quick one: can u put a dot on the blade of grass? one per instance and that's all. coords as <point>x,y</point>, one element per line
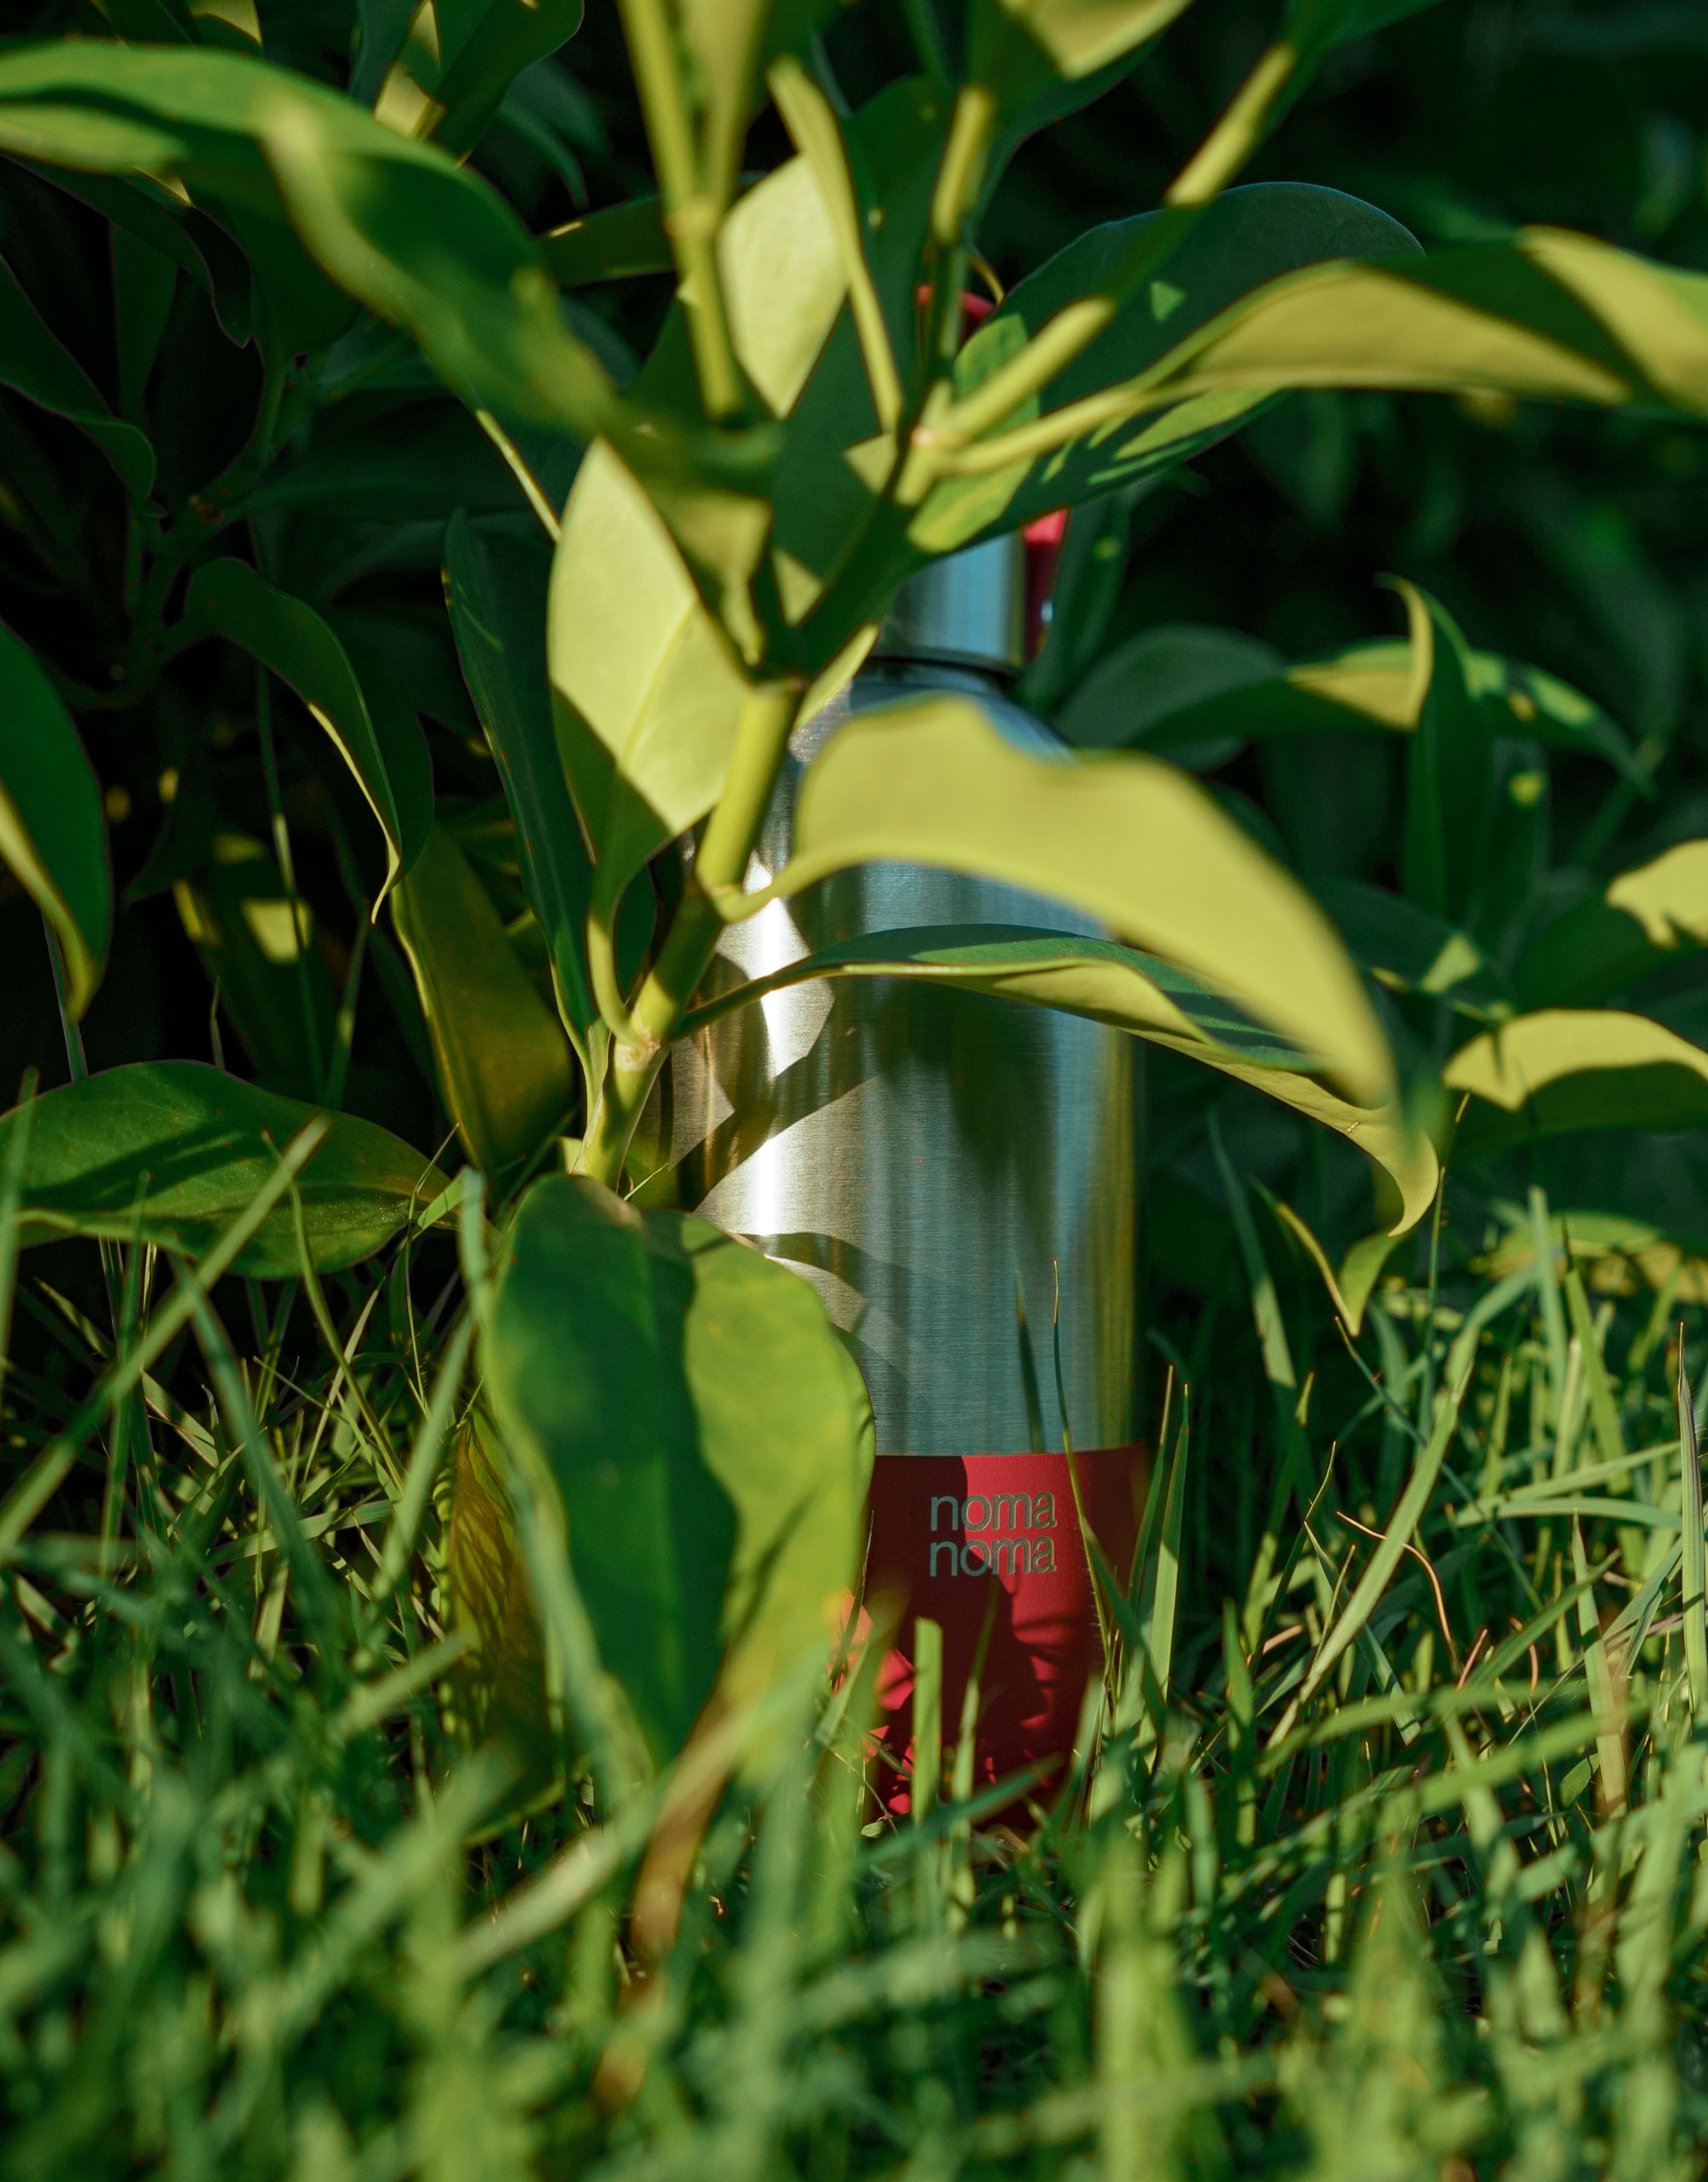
<point>1695,1615</point>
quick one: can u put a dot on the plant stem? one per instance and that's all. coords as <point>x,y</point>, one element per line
<point>637,1056</point>
<point>692,212</point>
<point>1237,134</point>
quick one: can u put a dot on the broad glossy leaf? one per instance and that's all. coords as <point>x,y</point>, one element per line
<point>505,1068</point>
<point>172,1150</point>
<point>1197,266</point>
<point>496,590</point>
<point>649,695</point>
<point>1553,315</point>
<point>708,1434</point>
<point>424,243</point>
<point>1130,991</point>
<point>1564,1069</point>
<point>52,833</point>
<point>1017,47</point>
<point>383,745</point>
<point>34,364</point>
<point>1132,842</point>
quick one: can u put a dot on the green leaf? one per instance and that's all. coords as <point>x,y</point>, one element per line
<point>52,830</point>
<point>649,695</point>
<point>1351,691</point>
<point>496,589</point>
<point>505,1068</point>
<point>1409,949</point>
<point>1315,27</point>
<point>383,746</point>
<point>424,244</point>
<point>1128,840</point>
<point>511,35</point>
<point>1552,315</point>
<point>1647,917</point>
<point>1566,1069</point>
<point>1449,779</point>
<point>171,1151</point>
<point>1157,674</point>
<point>1360,1268</point>
<point>618,243</point>
<point>1130,991</point>
<point>1018,48</point>
<point>1195,267</point>
<point>708,1434</point>
<point>35,365</point>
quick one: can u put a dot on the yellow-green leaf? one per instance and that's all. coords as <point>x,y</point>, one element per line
<point>1564,1069</point>
<point>1130,840</point>
<point>649,695</point>
<point>1130,991</point>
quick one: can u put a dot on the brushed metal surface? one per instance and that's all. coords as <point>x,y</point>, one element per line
<point>927,1159</point>
<point>967,609</point>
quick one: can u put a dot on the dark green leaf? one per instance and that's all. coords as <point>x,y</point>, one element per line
<point>388,757</point>
<point>32,362</point>
<point>1201,266</point>
<point>505,1068</point>
<point>708,1432</point>
<point>52,831</point>
<point>172,1151</point>
<point>495,590</point>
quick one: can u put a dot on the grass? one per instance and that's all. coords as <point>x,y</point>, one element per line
<point>1379,1858</point>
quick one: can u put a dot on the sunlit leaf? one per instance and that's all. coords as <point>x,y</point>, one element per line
<point>1130,841</point>
<point>1194,688</point>
<point>1130,991</point>
<point>172,1151</point>
<point>1553,315</point>
<point>382,745</point>
<point>1202,265</point>
<point>649,695</point>
<point>52,831</point>
<point>706,1429</point>
<point>1645,917</point>
<point>1564,1069</point>
<point>505,1067</point>
<point>1016,46</point>
<point>422,242</point>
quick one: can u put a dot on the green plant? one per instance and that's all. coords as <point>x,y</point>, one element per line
<point>808,425</point>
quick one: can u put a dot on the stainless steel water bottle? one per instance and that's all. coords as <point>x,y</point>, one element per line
<point>942,1166</point>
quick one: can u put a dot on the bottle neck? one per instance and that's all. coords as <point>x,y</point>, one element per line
<point>966,610</point>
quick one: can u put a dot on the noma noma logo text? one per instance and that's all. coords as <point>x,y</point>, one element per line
<point>1008,1516</point>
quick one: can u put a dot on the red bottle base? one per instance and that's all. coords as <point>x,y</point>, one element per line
<point>950,1534</point>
